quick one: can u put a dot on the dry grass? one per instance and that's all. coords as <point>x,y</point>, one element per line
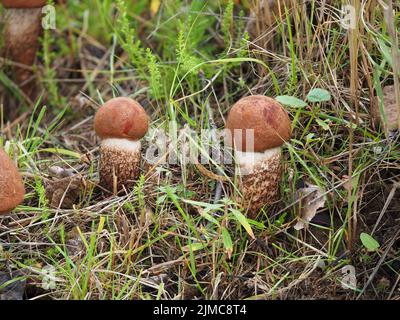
<point>154,242</point>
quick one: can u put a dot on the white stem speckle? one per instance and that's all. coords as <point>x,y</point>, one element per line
<point>248,160</point>
<point>121,144</point>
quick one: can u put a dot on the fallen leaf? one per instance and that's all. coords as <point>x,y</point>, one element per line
<point>158,279</point>
<point>154,7</point>
<point>64,189</point>
<point>59,172</point>
<point>389,109</point>
<point>12,286</point>
<point>75,247</point>
<point>311,198</point>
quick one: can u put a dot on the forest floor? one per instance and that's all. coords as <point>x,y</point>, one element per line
<point>179,234</point>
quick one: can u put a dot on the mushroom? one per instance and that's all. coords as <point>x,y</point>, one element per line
<point>259,158</point>
<point>120,123</point>
<point>21,35</point>
<point>12,189</point>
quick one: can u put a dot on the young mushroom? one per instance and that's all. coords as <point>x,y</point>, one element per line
<point>22,29</point>
<point>120,123</point>
<point>266,125</point>
<point>12,189</point>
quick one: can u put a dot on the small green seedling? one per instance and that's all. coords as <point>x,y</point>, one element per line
<point>369,242</point>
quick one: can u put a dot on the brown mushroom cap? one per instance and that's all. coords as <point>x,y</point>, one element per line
<point>121,118</point>
<point>23,3</point>
<point>12,189</point>
<point>266,116</point>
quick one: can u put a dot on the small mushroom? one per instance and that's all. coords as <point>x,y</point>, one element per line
<point>259,156</point>
<point>21,36</point>
<point>120,123</point>
<point>12,189</point>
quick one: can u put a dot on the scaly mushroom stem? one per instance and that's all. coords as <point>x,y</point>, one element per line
<point>21,34</point>
<point>119,163</point>
<point>260,174</point>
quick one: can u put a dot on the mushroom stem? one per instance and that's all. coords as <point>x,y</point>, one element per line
<point>21,33</point>
<point>119,163</point>
<point>260,174</point>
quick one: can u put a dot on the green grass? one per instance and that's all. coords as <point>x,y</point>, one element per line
<point>168,238</point>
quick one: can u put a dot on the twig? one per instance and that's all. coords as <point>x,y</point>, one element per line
<point>388,201</point>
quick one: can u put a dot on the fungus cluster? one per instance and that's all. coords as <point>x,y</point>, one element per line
<point>258,159</point>
<point>12,189</point>
<point>120,123</point>
<point>22,29</point>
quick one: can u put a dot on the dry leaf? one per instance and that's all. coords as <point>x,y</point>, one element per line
<point>311,198</point>
<point>15,288</point>
<point>154,7</point>
<point>64,189</point>
<point>58,172</point>
<point>390,108</point>
<point>158,279</point>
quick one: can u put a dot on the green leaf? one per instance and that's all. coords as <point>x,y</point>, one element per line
<point>323,124</point>
<point>243,221</point>
<point>161,199</point>
<point>281,220</point>
<point>207,216</point>
<point>386,51</point>
<point>318,95</point>
<point>61,151</point>
<point>101,224</point>
<point>196,246</point>
<point>291,101</point>
<point>226,238</point>
<point>370,243</point>
<point>205,205</point>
